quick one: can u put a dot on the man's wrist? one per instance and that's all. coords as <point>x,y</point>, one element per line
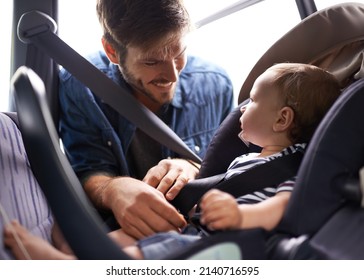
<point>194,164</point>
<point>102,196</point>
<point>95,186</point>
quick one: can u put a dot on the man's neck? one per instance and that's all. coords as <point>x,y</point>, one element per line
<point>147,102</point>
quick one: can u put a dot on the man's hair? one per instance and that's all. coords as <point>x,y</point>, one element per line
<point>141,23</point>
<point>309,91</point>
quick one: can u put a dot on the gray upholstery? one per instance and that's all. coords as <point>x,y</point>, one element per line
<point>332,38</point>
<point>20,195</point>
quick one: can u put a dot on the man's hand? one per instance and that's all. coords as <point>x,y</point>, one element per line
<point>170,176</point>
<point>140,209</point>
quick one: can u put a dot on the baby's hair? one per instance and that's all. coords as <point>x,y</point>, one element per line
<point>310,91</point>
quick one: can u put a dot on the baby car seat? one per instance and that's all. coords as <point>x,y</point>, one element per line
<point>338,48</point>
<point>326,202</point>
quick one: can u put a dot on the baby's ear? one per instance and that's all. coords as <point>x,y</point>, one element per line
<point>284,119</point>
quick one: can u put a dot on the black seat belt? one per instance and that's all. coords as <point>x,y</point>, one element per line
<point>38,29</point>
<point>257,178</point>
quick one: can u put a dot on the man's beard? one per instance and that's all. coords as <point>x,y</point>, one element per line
<point>138,86</point>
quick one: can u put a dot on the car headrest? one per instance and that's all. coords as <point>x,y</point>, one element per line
<point>332,38</point>
<point>225,146</point>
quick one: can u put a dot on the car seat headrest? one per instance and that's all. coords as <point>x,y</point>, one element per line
<point>332,38</point>
<point>334,156</point>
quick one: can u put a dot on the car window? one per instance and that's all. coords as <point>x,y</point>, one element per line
<point>235,42</point>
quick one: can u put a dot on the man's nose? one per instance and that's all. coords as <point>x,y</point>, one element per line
<point>171,70</point>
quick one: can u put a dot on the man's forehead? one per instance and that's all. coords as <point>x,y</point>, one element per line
<point>161,50</point>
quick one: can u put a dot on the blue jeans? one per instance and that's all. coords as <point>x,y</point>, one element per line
<point>160,245</point>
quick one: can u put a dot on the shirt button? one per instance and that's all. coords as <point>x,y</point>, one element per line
<point>109,143</point>
<point>197,149</point>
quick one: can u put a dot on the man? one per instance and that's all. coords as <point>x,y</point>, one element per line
<point>144,43</point>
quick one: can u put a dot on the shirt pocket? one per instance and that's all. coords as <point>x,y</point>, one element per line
<point>198,142</point>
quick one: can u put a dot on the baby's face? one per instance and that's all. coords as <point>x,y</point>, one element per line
<point>259,115</point>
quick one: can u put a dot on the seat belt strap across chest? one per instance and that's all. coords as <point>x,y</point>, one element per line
<point>257,178</point>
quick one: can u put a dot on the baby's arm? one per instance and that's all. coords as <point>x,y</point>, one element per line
<point>266,214</point>
<point>221,211</point>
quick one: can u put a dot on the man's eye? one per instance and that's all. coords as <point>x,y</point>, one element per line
<point>150,63</point>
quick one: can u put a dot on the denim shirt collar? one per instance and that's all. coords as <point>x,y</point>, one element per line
<point>177,99</point>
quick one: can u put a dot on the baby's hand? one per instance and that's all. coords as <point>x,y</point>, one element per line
<point>220,211</point>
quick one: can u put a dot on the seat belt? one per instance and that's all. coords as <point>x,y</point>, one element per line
<point>38,29</point>
<point>257,178</point>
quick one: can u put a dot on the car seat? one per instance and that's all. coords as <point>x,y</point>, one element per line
<point>327,205</point>
<point>337,35</point>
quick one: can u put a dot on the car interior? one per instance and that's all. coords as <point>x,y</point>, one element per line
<point>324,216</point>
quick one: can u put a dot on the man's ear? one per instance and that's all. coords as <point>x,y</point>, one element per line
<point>284,119</point>
<point>110,51</point>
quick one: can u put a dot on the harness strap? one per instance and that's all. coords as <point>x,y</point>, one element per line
<point>257,178</point>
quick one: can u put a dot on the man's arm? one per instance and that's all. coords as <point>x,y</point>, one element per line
<point>140,209</point>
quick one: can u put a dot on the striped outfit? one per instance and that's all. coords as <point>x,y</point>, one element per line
<point>247,161</point>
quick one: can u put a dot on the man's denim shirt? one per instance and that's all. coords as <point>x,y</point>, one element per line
<point>96,138</point>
